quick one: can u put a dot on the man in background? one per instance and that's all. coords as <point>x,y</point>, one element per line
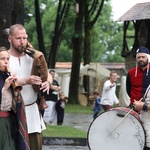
<point>109,97</point>
<point>51,99</point>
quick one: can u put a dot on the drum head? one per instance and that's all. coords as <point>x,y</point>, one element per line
<point>128,135</point>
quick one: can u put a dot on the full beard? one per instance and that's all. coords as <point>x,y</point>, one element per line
<point>20,49</point>
<point>142,64</point>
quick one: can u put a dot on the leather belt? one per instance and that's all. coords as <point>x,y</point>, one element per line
<point>30,104</point>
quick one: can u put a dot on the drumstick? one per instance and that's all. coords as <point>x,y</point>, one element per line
<point>122,119</point>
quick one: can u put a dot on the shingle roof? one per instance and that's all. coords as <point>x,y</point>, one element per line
<point>140,11</point>
<point>68,65</point>
<point>63,65</point>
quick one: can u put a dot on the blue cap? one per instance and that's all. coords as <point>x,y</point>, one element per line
<point>143,50</point>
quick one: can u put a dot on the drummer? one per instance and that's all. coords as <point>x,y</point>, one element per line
<point>138,79</point>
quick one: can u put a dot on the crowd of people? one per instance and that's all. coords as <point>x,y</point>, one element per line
<point>138,89</point>
<point>21,120</point>
<point>20,116</point>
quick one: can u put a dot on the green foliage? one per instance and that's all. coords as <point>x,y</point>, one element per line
<point>65,50</point>
<point>107,35</point>
<point>29,10</point>
<point>109,32</point>
<point>65,53</point>
<point>48,15</point>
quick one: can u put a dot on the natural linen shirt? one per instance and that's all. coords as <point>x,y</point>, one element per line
<point>6,102</point>
<point>108,95</point>
<point>22,68</point>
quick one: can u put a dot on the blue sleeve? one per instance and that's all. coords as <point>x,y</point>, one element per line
<point>128,84</point>
<point>98,100</point>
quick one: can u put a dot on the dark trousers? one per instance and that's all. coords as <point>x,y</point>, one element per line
<point>147,148</point>
<point>60,117</point>
<point>95,114</point>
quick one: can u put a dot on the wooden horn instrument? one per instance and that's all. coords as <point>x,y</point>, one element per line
<point>16,88</point>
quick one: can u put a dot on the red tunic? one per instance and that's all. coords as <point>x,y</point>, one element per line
<point>136,85</point>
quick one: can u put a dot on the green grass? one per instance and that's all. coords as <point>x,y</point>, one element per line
<point>68,131</point>
<point>78,109</point>
<point>63,131</point>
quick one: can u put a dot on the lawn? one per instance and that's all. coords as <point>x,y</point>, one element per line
<point>68,131</point>
<point>78,109</point>
<point>63,131</point>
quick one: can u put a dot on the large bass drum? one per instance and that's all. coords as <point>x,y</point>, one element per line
<point>112,130</point>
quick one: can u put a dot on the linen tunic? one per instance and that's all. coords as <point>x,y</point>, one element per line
<point>22,68</point>
<point>6,103</point>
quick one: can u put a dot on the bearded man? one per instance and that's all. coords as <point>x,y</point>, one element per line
<point>138,80</point>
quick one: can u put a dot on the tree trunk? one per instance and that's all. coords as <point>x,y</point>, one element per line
<point>62,14</point>
<point>87,49</point>
<point>18,12</point>
<point>88,24</point>
<point>39,28</point>
<point>5,20</point>
<point>53,51</point>
<point>77,41</point>
<point>11,12</point>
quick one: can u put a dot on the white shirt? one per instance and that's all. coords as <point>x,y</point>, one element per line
<point>108,95</point>
<point>145,118</point>
<point>22,68</point>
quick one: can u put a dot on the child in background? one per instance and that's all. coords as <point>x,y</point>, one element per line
<point>97,106</point>
<point>60,106</point>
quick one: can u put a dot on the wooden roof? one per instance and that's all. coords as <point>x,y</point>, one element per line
<point>140,11</point>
